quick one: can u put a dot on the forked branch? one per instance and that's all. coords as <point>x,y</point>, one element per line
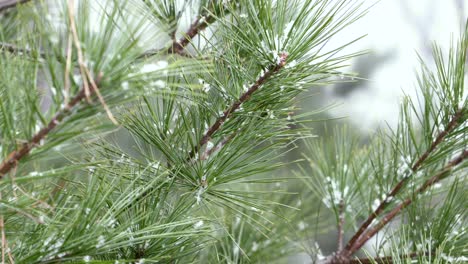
<point>389,216</point>
<point>417,165</point>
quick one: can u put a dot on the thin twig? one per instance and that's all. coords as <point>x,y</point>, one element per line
<point>440,137</point>
<point>85,73</point>
<point>417,165</point>
<point>100,97</point>
<point>389,216</point>
<point>200,24</point>
<point>242,99</point>
<point>341,219</point>
<point>68,68</point>
<point>76,40</point>
<point>3,234</point>
<point>14,157</point>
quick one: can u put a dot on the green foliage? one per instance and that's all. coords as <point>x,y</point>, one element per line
<point>192,171</point>
<point>416,171</point>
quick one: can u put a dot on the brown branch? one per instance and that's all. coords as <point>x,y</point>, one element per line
<point>242,99</point>
<point>200,24</point>
<point>440,137</point>
<point>341,209</point>
<point>7,4</point>
<point>178,46</point>
<point>14,157</point>
<point>393,213</point>
<point>417,165</point>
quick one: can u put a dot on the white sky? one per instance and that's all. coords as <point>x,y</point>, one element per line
<point>403,31</point>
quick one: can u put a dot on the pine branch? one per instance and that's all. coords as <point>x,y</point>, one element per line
<point>242,99</point>
<point>383,205</point>
<point>387,218</point>
<point>14,157</point>
<point>440,137</point>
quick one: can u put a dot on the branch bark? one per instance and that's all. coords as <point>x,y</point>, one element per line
<point>388,217</point>
<point>341,220</point>
<point>417,165</point>
<point>15,156</point>
<point>242,99</point>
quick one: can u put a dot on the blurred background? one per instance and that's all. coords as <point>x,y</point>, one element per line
<point>397,31</point>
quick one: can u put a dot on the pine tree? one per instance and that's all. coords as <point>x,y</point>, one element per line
<point>127,136</point>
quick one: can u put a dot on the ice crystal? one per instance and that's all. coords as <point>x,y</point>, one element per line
<point>254,246</point>
<point>291,64</point>
<point>334,195</point>
<point>198,224</point>
<point>198,195</point>
<point>209,145</point>
<point>404,169</point>
<point>375,204</point>
<point>450,259</point>
<point>152,67</point>
<point>206,86</point>
<point>160,84</point>
<point>101,241</point>
<point>125,85</point>
<point>35,173</point>
<point>235,250</point>
<point>301,225</point>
